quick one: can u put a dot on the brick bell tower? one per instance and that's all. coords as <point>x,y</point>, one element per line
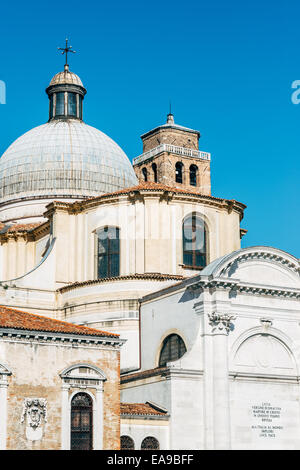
<point>171,156</point>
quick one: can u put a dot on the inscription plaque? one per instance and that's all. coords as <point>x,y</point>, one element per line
<point>267,420</point>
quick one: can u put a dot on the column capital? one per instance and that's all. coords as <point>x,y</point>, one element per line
<point>221,323</point>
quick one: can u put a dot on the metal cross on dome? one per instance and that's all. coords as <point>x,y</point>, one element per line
<point>65,50</point>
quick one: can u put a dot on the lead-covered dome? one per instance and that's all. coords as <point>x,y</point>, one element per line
<point>64,158</point>
<point>66,77</point>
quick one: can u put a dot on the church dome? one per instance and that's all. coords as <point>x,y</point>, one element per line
<point>64,157</point>
<point>66,77</point>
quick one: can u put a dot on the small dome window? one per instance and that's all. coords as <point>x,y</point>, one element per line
<point>60,104</point>
<point>72,104</point>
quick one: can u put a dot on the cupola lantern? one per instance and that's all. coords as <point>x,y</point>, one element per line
<point>65,92</point>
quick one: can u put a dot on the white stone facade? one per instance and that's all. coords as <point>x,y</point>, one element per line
<point>237,386</point>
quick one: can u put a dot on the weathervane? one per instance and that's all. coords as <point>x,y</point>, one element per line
<point>65,50</point>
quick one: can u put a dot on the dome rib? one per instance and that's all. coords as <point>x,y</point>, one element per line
<point>66,78</point>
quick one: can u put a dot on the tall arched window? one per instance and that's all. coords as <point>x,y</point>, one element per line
<point>81,422</point>
<point>154,168</point>
<point>173,348</point>
<point>145,174</point>
<point>127,443</point>
<point>150,443</point>
<point>108,252</point>
<point>194,239</point>
<point>193,175</point>
<point>179,172</point>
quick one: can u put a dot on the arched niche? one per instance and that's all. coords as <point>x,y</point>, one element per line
<point>263,353</point>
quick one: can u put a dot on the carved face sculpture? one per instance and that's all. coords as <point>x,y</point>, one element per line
<point>35,415</point>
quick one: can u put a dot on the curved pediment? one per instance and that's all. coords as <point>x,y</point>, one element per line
<point>264,353</point>
<point>258,265</point>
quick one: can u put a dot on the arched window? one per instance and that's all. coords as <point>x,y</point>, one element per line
<point>81,422</point>
<point>108,252</point>
<point>193,175</point>
<point>173,348</point>
<point>179,172</point>
<point>145,174</point>
<point>154,168</point>
<point>150,443</point>
<point>194,239</point>
<point>127,443</point>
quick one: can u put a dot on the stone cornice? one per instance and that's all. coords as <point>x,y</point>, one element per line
<point>166,417</point>
<point>14,334</point>
<point>27,234</point>
<point>141,192</point>
<point>167,372</point>
<point>129,277</point>
<point>260,255</point>
<point>235,285</point>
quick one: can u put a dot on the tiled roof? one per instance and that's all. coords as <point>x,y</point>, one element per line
<point>19,227</point>
<point>20,320</point>
<point>129,277</point>
<point>144,186</point>
<point>140,409</point>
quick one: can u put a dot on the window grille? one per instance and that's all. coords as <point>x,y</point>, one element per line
<point>150,443</point>
<point>127,443</point>
<point>81,422</point>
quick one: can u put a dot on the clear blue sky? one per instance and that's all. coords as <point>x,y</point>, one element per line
<point>227,67</point>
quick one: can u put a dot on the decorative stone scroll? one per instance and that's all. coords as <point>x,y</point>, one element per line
<point>34,415</point>
<point>221,322</point>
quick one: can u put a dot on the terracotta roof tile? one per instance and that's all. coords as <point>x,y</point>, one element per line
<point>129,277</point>
<point>146,186</point>
<point>20,320</point>
<point>19,227</point>
<point>140,409</point>
<point>149,185</point>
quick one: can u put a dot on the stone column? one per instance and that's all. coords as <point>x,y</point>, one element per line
<point>98,423</point>
<point>3,412</point>
<point>220,327</point>
<point>65,417</point>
